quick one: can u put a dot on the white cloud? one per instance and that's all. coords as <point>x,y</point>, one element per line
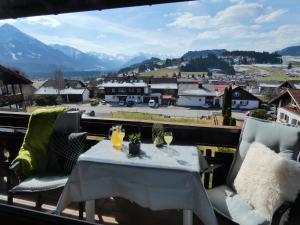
<point>193,3</point>
<point>43,20</point>
<point>239,12</point>
<point>101,36</point>
<point>240,26</point>
<point>9,21</point>
<point>79,43</point>
<point>236,1</point>
<point>188,20</point>
<point>270,17</point>
<point>172,14</point>
<point>281,37</point>
<point>208,35</point>
<point>232,15</point>
<point>237,26</point>
<point>120,37</point>
<point>217,1</point>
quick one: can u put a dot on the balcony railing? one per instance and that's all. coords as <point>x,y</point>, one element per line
<point>14,126</point>
<point>6,100</point>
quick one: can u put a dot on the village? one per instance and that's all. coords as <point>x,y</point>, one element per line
<point>175,96</point>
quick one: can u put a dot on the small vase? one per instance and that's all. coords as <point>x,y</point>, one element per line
<point>134,149</point>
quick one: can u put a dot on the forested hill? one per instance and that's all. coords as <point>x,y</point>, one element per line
<point>210,62</point>
<point>203,53</point>
<point>249,57</point>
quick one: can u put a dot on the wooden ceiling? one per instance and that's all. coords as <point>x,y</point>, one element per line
<point>25,8</point>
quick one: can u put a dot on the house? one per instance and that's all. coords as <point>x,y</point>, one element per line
<point>242,99</point>
<point>268,88</point>
<point>71,91</point>
<point>220,88</point>
<point>165,88</point>
<point>133,90</point>
<point>198,95</point>
<point>293,84</point>
<point>288,106</point>
<point>12,84</point>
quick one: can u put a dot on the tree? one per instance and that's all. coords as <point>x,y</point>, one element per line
<point>168,62</point>
<point>259,113</point>
<point>228,112</point>
<point>290,66</point>
<point>226,120</point>
<point>58,81</point>
<point>229,98</point>
<point>232,121</point>
<point>224,106</point>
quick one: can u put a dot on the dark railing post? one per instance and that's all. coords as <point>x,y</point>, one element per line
<point>207,175</point>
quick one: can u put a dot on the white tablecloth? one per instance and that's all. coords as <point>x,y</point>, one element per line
<point>157,178</point>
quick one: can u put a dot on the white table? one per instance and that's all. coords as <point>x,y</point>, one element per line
<point>157,179</point>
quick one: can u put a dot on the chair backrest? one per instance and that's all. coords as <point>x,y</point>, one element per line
<point>283,139</point>
<point>67,122</point>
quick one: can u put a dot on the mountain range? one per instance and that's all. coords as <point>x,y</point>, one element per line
<point>26,53</point>
<point>290,51</point>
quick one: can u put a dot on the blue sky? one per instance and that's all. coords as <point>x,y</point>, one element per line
<point>173,29</point>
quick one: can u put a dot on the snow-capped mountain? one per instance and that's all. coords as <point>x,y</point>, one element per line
<point>27,53</point>
<point>32,56</point>
<point>86,61</point>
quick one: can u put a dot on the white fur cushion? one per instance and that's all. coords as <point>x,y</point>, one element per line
<point>265,180</point>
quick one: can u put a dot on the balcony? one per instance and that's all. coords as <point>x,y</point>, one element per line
<point>121,211</point>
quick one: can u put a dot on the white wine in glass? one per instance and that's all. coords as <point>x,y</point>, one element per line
<point>168,137</point>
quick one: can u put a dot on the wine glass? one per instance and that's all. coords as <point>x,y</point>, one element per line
<point>168,137</point>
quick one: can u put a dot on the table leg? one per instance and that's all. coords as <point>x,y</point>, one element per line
<point>187,217</point>
<point>90,210</point>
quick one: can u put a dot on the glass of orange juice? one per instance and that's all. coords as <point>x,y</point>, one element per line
<point>117,137</point>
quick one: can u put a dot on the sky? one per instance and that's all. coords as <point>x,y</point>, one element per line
<point>173,29</point>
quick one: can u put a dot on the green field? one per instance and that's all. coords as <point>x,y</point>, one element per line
<point>169,73</point>
<point>275,73</point>
<point>157,118</point>
<point>277,77</point>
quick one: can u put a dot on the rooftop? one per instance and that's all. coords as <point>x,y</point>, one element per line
<point>199,92</point>
<point>124,84</point>
<point>10,76</point>
<point>164,86</point>
<point>54,91</point>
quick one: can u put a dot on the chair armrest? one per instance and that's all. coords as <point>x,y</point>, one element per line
<point>208,179</point>
<point>13,167</point>
<point>279,213</point>
<point>12,174</point>
<point>211,168</point>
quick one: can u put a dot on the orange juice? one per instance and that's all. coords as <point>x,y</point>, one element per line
<point>116,140</point>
